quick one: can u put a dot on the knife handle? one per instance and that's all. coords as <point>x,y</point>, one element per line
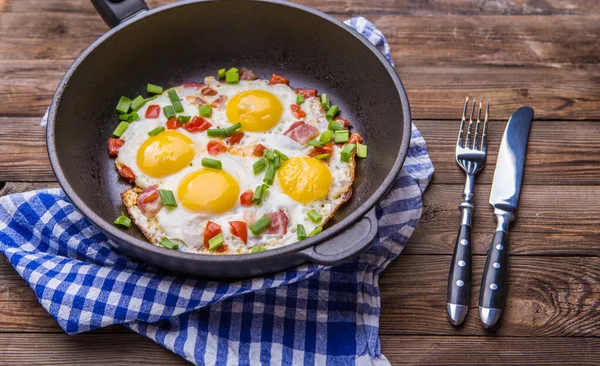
<point>458,292</point>
<point>494,281</point>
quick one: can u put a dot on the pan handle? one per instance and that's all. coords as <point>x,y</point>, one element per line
<point>114,12</point>
<point>346,245</point>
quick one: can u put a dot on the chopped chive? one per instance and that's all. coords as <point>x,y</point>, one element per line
<point>325,102</point>
<point>133,116</point>
<point>169,111</point>
<point>317,143</point>
<point>167,243</point>
<point>205,110</point>
<point>361,150</point>
<point>212,163</point>
<point>123,105</point>
<point>156,131</point>
<point>346,153</point>
<point>335,126</point>
<point>332,112</point>
<point>154,89</point>
<point>269,154</point>
<point>257,250</point>
<point>167,197</point>
<point>282,155</point>
<point>260,225</point>
<point>120,129</point>
<point>232,76</point>
<point>177,106</point>
<point>216,132</point>
<point>233,128</point>
<point>173,97</point>
<point>314,216</point>
<point>215,242</point>
<point>183,119</point>
<point>123,221</point>
<point>315,231</point>
<point>270,175</point>
<point>259,193</point>
<point>259,165</point>
<point>299,99</point>
<point>322,156</point>
<point>151,98</point>
<point>341,136</point>
<point>276,162</point>
<point>326,136</point>
<point>300,232</point>
<point>138,103</point>
<point>221,74</point>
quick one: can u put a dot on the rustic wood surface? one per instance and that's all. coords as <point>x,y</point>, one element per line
<point>545,53</point>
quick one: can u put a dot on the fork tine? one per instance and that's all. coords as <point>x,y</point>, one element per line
<point>477,125</point>
<point>483,135</point>
<point>462,124</point>
<point>468,142</point>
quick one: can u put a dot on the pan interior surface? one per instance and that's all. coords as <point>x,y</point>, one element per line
<point>188,42</point>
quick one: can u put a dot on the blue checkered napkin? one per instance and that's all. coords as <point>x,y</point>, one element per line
<point>309,315</point>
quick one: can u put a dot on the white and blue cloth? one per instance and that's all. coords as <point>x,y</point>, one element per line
<point>309,315</point>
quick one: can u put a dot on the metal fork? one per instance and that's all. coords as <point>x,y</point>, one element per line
<point>470,156</point>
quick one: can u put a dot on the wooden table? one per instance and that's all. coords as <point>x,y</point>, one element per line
<point>542,53</point>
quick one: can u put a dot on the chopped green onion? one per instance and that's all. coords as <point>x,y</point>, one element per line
<point>361,150</point>
<point>133,116</point>
<point>326,137</point>
<point>216,132</point>
<point>322,156</point>
<point>169,111</point>
<point>325,102</point>
<point>123,105</point>
<point>215,242</point>
<point>154,89</point>
<point>276,162</point>
<point>173,97</point>
<point>259,165</point>
<point>120,129</point>
<point>205,110</point>
<point>346,154</point>
<point>282,155</point>
<point>177,106</point>
<point>314,216</point>
<point>167,243</point>
<point>183,119</point>
<point>300,232</point>
<point>260,225</point>
<point>221,74</point>
<point>151,98</point>
<point>341,136</point>
<point>269,154</point>
<point>317,143</point>
<point>232,76</point>
<point>270,175</point>
<point>332,112</point>
<point>257,250</point>
<point>335,126</point>
<point>233,128</point>
<point>259,193</point>
<point>315,231</point>
<point>212,163</point>
<point>123,221</point>
<point>156,131</point>
<point>167,197</point>
<point>138,103</point>
<point>299,99</point>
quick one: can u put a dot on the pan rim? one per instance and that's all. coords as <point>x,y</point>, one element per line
<point>331,232</point>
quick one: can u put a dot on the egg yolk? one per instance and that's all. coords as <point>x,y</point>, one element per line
<point>165,154</point>
<point>209,191</point>
<point>304,179</point>
<point>256,110</point>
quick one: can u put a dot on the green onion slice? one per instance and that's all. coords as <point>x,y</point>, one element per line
<point>259,165</point>
<point>315,231</point>
<point>276,162</point>
<point>332,112</point>
<point>123,221</point>
<point>257,250</point>
<point>156,131</point>
<point>325,102</point>
<point>169,111</point>
<point>173,97</point>
<point>154,89</point>
<point>300,232</point>
<point>314,216</point>
<point>361,150</point>
<point>317,143</point>
<point>215,242</point>
<point>138,103</point>
<point>326,137</point>
<point>299,99</point>
<point>233,128</point>
<point>270,175</point>
<point>123,105</point>
<point>232,76</point>
<point>177,106</point>
<point>221,74</point>
<point>216,132</point>
<point>183,119</point>
<point>133,116</point>
<point>269,154</point>
<point>341,136</point>
<point>205,110</point>
<point>260,225</point>
<point>346,153</point>
<point>335,126</point>
<point>259,193</point>
<point>282,155</point>
<point>120,129</point>
<point>167,197</point>
<point>322,156</point>
<point>212,163</point>
<point>167,243</point>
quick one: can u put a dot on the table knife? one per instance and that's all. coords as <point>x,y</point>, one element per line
<point>504,197</point>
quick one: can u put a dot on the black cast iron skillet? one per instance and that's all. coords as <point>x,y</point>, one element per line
<point>188,40</point>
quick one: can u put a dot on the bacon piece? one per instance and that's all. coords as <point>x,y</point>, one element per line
<point>302,132</point>
<point>217,103</point>
<point>247,74</point>
<point>235,138</point>
<point>197,124</point>
<point>276,79</point>
<point>355,138</point>
<point>114,145</point>
<point>279,221</point>
<point>126,173</point>
<point>246,198</point>
<point>193,85</point>
<point>297,111</point>
<point>208,91</point>
<point>215,147</point>
<point>306,93</point>
<point>153,111</point>
<point>344,122</point>
<point>173,124</point>
<point>149,201</point>
<point>258,150</point>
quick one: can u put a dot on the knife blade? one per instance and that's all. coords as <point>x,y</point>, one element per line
<point>504,197</point>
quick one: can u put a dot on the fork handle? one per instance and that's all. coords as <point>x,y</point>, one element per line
<point>458,292</point>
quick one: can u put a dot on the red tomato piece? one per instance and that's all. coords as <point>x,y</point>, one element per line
<point>210,231</point>
<point>197,124</point>
<point>215,147</point>
<point>355,138</point>
<point>344,122</point>
<point>114,145</point>
<point>235,138</point>
<point>307,93</point>
<point>239,229</point>
<point>276,79</point>
<point>297,111</point>
<point>246,198</point>
<point>126,173</point>
<point>173,124</point>
<point>153,111</point>
<point>258,150</point>
<point>327,149</point>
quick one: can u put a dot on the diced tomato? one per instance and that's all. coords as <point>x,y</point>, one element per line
<point>307,93</point>
<point>193,85</point>
<point>355,138</point>
<point>276,79</point>
<point>297,111</point>
<point>215,147</point>
<point>258,150</point>
<point>210,231</point>
<point>235,138</point>
<point>208,91</point>
<point>223,248</point>
<point>173,124</point>
<point>239,229</point>
<point>153,111</point>
<point>126,173</point>
<point>344,122</point>
<point>197,124</point>
<point>246,198</point>
<point>114,145</point>
<point>327,149</point>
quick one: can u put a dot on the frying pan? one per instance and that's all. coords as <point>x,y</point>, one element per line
<point>189,40</point>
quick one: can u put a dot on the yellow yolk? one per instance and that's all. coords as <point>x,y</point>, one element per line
<point>304,179</point>
<point>209,191</point>
<point>165,154</point>
<point>256,110</point>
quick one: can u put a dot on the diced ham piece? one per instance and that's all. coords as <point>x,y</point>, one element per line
<point>306,93</point>
<point>279,222</point>
<point>217,103</point>
<point>302,132</point>
<point>126,173</point>
<point>208,91</point>
<point>114,145</point>
<point>149,201</point>
<point>247,74</point>
<point>193,85</point>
